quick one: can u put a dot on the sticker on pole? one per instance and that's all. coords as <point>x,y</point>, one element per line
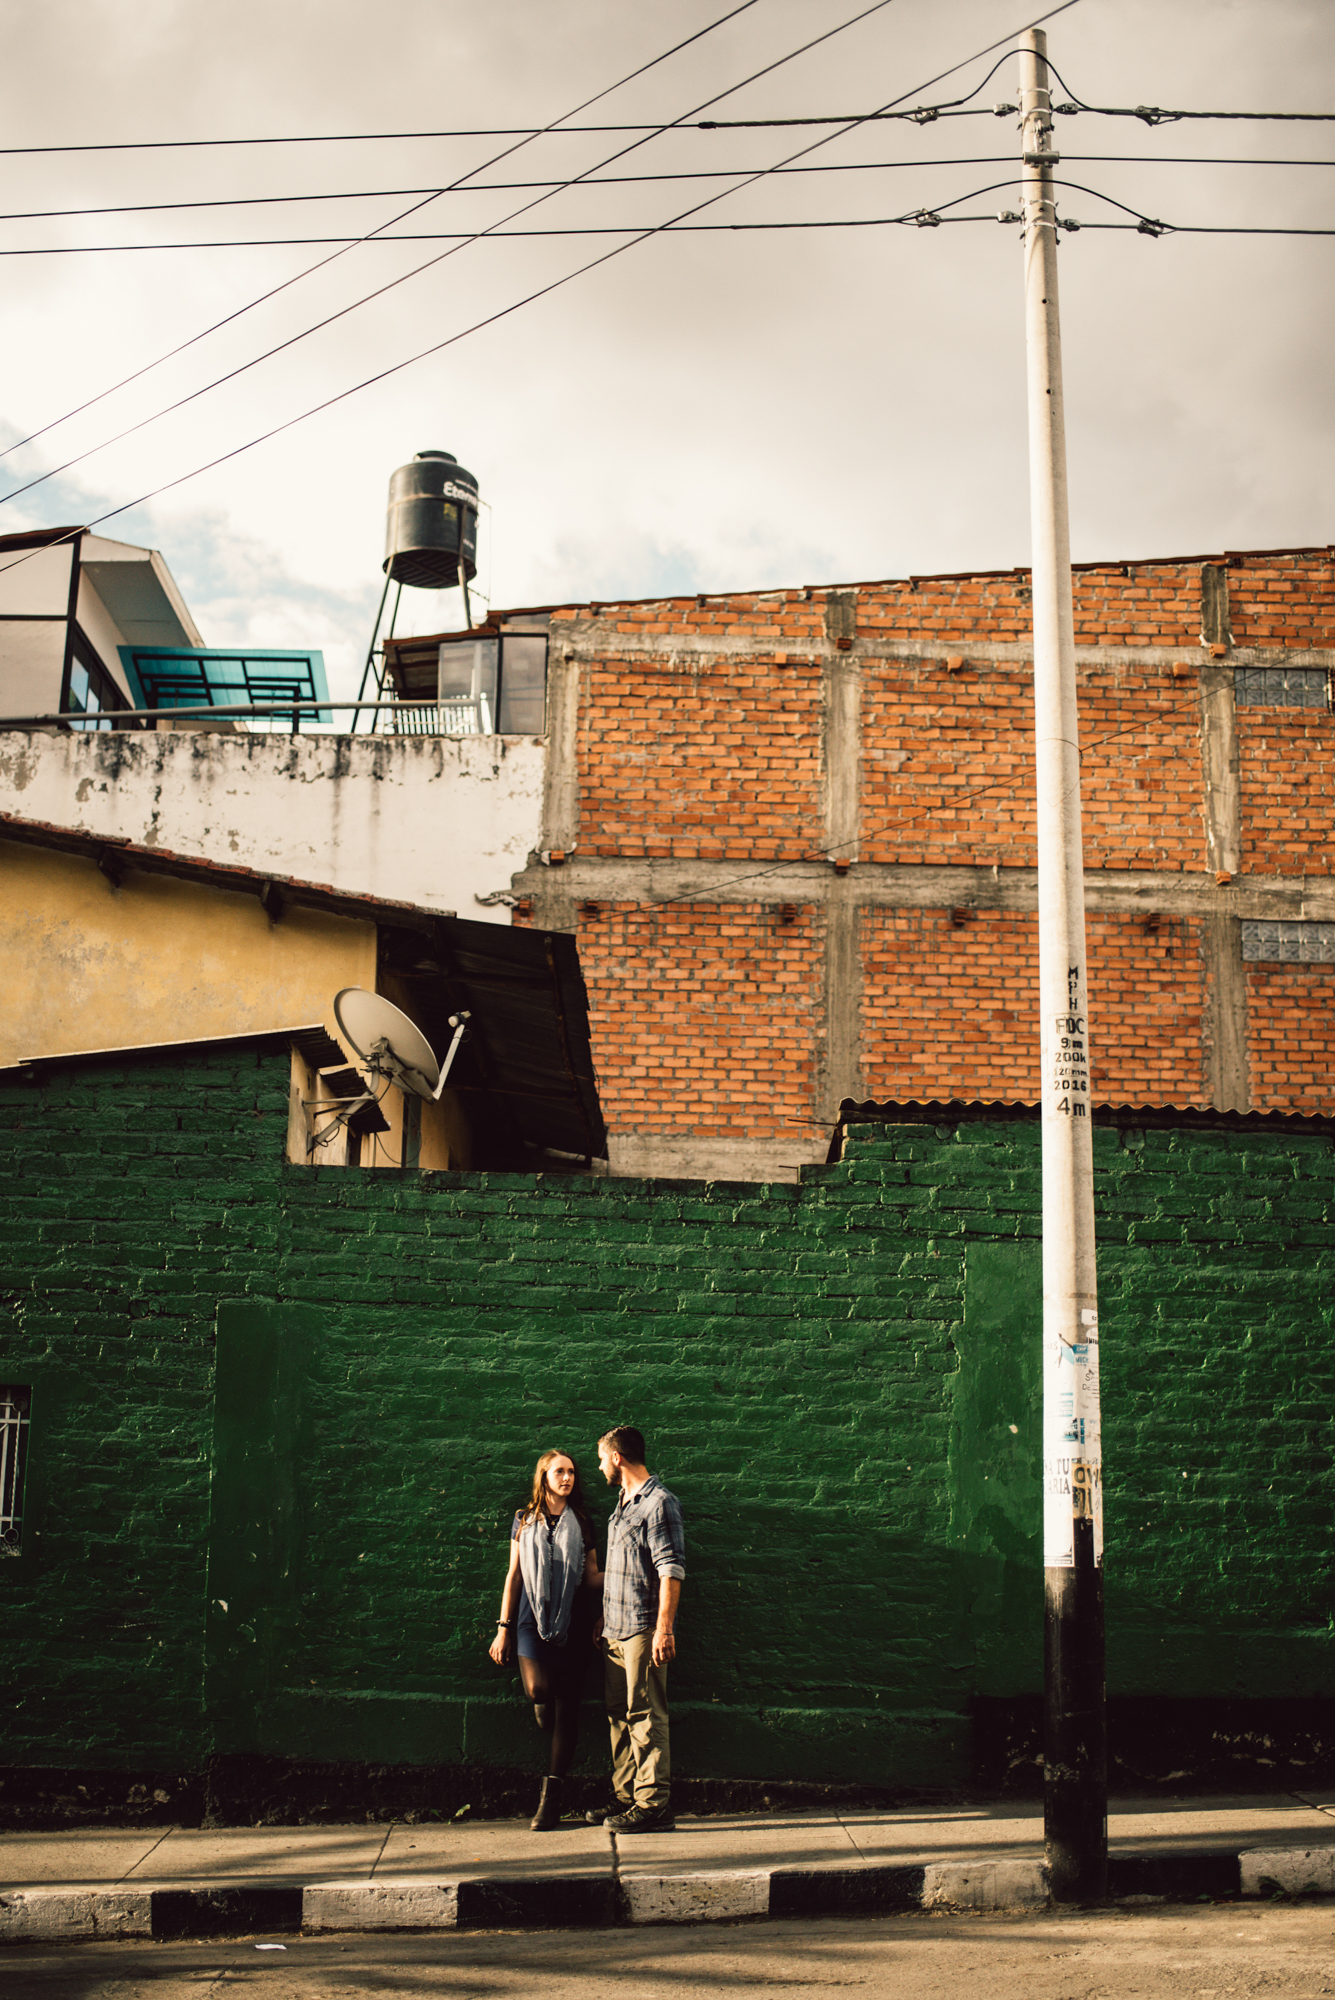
<point>1072,1443</point>
<point>1070,1066</point>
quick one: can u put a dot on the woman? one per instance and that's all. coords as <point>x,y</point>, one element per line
<point>548,1605</point>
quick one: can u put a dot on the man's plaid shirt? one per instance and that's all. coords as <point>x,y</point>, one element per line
<point>646,1540</point>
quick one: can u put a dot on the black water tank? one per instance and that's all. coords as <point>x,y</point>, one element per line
<point>427,501</point>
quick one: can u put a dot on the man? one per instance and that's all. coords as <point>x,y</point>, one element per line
<point>646,1548</point>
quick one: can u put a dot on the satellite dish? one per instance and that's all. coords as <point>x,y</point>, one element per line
<point>383,1040</point>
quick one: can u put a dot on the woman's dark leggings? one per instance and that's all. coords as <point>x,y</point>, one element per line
<point>556,1711</point>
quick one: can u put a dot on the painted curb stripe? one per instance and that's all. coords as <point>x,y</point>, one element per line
<point>559,1902</point>
<point>226,1912</point>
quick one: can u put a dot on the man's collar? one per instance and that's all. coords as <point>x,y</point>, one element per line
<point>652,1480</point>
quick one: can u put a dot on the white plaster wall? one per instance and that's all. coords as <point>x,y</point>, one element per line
<point>426,819</point>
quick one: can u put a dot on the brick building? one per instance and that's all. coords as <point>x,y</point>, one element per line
<point>794,833</point>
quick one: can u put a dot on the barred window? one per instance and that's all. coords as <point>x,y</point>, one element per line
<point>1292,943</point>
<point>1281,687</point>
<point>15,1407</point>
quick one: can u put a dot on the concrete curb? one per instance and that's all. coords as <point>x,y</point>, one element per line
<point>550,1902</point>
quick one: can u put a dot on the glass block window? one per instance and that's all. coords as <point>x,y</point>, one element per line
<point>1281,687</point>
<point>1292,943</point>
<point>15,1408</point>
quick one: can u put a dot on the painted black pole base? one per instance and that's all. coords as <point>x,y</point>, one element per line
<point>1075,1767</point>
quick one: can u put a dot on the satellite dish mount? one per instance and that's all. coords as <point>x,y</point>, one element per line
<point>389,1049</point>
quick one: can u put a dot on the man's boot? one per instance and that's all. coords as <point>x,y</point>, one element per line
<point>548,1814</point>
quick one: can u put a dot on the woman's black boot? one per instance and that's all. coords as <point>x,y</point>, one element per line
<point>548,1814</point>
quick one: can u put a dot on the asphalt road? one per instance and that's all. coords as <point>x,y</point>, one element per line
<point>1207,1953</point>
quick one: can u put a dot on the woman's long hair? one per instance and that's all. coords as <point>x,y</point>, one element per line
<point>536,1506</point>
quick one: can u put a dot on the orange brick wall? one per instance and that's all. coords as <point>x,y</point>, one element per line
<point>1287,762</point>
<point>711,758</point>
<point>948,766</point>
<point>709,1019</point>
<point>1146,1010</point>
<point>705,1017</point>
<point>1291,1036</point>
<point>1283,600</point>
<point>950,1007</point>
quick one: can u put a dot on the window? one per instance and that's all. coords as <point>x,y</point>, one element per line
<point>15,1407</point>
<point>90,691</point>
<point>1291,943</point>
<point>210,677</point>
<point>1281,687</point>
<point>467,686</point>
<point>506,680</point>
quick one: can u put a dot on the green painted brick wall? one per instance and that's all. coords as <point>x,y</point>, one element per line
<point>315,1398</point>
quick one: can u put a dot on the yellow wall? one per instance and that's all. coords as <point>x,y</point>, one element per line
<point>445,1139</point>
<point>159,959</point>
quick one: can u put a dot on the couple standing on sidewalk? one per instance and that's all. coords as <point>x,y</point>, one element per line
<point>548,1605</point>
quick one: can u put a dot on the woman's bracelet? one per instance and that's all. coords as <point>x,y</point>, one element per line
<point>503,1624</point>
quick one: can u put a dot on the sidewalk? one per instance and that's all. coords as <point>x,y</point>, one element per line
<point>104,1882</point>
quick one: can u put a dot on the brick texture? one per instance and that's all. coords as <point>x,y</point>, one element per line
<point>1146,978</point>
<point>1287,759</point>
<point>1291,1035</point>
<point>793,1354</point>
<point>704,1015</point>
<point>715,754</point>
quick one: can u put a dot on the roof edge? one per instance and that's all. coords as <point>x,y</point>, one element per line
<point>312,1036</point>
<point>704,598</point>
<point>217,874</point>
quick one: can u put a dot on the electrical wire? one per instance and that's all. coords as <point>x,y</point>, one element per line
<point>921,113</point>
<point>922,217</point>
<point>455,247</point>
<point>324,262</point>
<point>945,804</point>
<point>644,180</point>
<point>504,312</point>
<point>1150,114</point>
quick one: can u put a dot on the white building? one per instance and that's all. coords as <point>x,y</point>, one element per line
<point>410,810</point>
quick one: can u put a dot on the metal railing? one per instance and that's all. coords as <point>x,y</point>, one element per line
<point>14,1408</point>
<point>453,715</point>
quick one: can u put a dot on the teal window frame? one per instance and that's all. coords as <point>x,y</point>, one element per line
<point>168,677</point>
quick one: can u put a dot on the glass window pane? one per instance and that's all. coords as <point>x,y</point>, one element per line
<point>459,664</point>
<point>524,685</point>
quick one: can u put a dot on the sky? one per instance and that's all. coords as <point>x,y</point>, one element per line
<point>727,409</point>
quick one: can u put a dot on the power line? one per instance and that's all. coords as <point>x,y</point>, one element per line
<point>921,114</point>
<point>504,312</point>
<point>644,180</point>
<point>1150,114</point>
<point>456,245</point>
<point>639,229</point>
<point>921,216</point>
<point>324,262</point>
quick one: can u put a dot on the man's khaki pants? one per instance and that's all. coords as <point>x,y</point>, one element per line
<point>637,1713</point>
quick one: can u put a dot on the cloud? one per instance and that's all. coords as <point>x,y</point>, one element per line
<point>710,412</point>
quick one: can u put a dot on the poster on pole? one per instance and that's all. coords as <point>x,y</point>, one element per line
<point>1072,1444</point>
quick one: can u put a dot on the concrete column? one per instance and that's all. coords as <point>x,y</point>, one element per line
<point>553,901</point>
<point>1227,1075</point>
<point>839,1070</point>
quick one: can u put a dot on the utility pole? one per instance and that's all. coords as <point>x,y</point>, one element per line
<point>1075,1789</point>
